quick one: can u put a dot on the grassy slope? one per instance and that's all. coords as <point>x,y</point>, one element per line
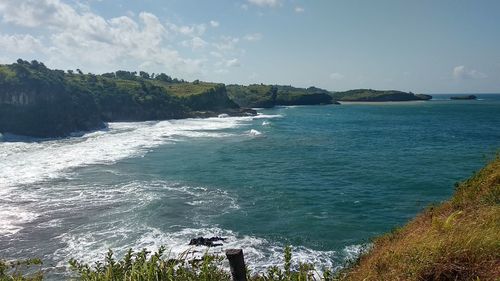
<point>186,89</point>
<point>456,240</point>
<point>256,95</point>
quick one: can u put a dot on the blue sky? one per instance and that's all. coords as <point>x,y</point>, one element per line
<point>423,46</point>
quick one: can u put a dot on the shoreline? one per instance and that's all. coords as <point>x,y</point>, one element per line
<point>381,102</point>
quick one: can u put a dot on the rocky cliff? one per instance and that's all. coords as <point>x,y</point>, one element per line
<point>37,101</point>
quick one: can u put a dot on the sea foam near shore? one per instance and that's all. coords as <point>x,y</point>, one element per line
<point>29,160</point>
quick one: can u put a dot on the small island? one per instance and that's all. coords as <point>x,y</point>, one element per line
<point>370,95</point>
<point>468,97</point>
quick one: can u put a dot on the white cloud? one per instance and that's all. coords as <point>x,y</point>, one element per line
<point>265,3</point>
<point>83,39</point>
<point>233,63</point>
<point>214,23</point>
<point>253,37</point>
<point>79,37</point>
<point>299,9</point>
<point>226,43</point>
<point>216,54</point>
<point>188,30</point>
<point>20,43</point>
<point>336,76</point>
<point>195,43</point>
<point>462,73</point>
<point>33,13</point>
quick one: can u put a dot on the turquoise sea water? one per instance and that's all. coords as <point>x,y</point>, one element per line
<point>324,179</point>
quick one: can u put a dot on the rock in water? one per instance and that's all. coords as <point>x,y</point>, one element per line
<point>209,242</point>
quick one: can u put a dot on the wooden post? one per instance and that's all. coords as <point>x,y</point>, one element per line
<point>237,264</point>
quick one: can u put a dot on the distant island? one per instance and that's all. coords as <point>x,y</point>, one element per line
<point>468,97</point>
<point>42,102</point>
<point>369,95</point>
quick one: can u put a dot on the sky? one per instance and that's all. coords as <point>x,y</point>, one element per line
<point>424,46</point>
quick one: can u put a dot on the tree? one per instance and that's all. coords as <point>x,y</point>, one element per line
<point>163,77</point>
<point>144,75</point>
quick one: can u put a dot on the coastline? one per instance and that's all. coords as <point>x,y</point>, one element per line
<point>382,102</point>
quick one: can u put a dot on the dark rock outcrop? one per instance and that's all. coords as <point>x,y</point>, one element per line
<point>209,242</point>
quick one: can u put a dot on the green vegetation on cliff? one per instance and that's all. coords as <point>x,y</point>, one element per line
<point>38,101</point>
<point>288,95</point>
<point>267,96</point>
<point>377,96</point>
<point>255,95</point>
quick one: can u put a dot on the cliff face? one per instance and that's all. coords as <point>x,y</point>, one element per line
<point>266,96</point>
<point>213,99</point>
<point>18,98</point>
<point>260,96</point>
<point>147,102</point>
<point>25,114</point>
<point>37,101</point>
<point>43,106</point>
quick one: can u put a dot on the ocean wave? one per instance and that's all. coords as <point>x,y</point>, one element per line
<point>32,161</point>
<point>13,218</point>
<point>260,254</point>
<point>254,133</point>
<point>24,161</point>
<point>116,218</point>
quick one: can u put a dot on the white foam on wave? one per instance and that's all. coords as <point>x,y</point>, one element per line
<point>29,161</point>
<point>254,133</point>
<point>260,254</point>
<point>351,252</point>
<point>11,219</point>
<point>22,163</point>
<point>267,116</point>
<point>116,227</point>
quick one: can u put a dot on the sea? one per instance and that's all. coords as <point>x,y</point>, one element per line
<point>325,180</point>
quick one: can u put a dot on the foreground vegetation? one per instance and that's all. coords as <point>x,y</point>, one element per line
<point>456,240</point>
<point>145,266</point>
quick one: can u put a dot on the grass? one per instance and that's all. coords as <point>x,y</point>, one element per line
<point>185,89</point>
<point>456,240</point>
<point>146,266</point>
